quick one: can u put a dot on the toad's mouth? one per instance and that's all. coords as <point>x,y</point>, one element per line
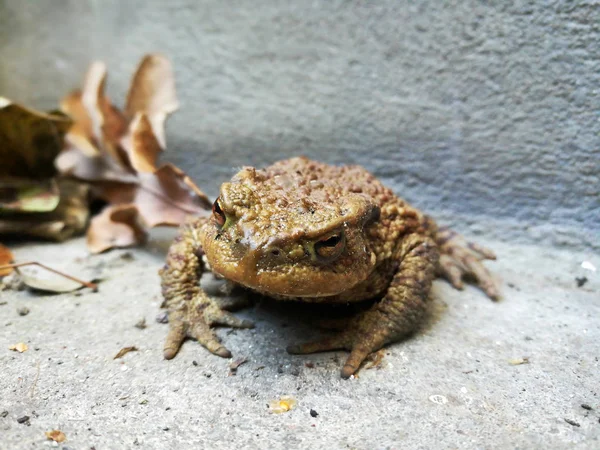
<point>300,280</point>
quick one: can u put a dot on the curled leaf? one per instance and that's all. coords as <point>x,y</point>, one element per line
<point>168,196</point>
<point>141,145</point>
<point>116,226</point>
<point>152,92</point>
<point>106,121</point>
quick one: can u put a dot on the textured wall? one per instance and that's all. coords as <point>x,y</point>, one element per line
<point>477,109</point>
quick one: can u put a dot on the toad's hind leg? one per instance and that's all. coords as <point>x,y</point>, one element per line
<point>192,313</point>
<point>398,314</point>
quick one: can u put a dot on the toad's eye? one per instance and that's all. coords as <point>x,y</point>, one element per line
<point>329,248</point>
<point>218,213</point>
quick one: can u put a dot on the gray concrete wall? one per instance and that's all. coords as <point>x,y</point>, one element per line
<point>473,109</point>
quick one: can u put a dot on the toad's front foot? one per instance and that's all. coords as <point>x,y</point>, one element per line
<point>362,337</point>
<point>196,323</point>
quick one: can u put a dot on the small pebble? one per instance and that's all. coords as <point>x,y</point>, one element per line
<point>586,406</point>
<point>23,419</point>
<point>4,414</point>
<point>23,311</point>
<point>313,413</point>
<point>162,317</point>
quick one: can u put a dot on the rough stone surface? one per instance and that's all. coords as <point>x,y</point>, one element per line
<point>468,108</point>
<point>455,384</point>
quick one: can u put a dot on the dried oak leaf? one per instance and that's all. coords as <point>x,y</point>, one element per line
<point>153,93</point>
<point>115,226</point>
<point>118,155</point>
<point>6,258</point>
<point>56,436</point>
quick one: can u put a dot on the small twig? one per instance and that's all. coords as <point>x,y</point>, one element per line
<point>88,284</point>
<point>35,380</point>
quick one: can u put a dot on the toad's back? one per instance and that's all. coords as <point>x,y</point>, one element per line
<point>302,178</point>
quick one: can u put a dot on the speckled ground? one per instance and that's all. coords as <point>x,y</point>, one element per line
<point>453,385</point>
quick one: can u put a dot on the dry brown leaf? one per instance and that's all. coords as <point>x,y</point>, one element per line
<point>56,436</point>
<point>124,351</point>
<point>168,196</point>
<point>123,168</point>
<point>152,92</point>
<point>106,121</point>
<point>20,347</point>
<point>29,141</point>
<point>116,226</point>
<point>73,162</point>
<point>6,257</point>
<point>141,145</point>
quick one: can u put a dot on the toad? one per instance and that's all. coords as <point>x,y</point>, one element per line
<point>301,230</point>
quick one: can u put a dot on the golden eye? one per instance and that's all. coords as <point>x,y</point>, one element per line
<point>329,248</point>
<point>218,213</point>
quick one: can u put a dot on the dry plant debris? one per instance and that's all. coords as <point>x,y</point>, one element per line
<point>284,404</point>
<point>20,347</point>
<point>117,153</point>
<point>124,351</point>
<point>56,436</point>
<point>518,361</point>
<point>375,359</point>
<point>33,200</point>
<point>234,365</point>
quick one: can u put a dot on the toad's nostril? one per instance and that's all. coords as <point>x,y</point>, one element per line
<point>275,252</point>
